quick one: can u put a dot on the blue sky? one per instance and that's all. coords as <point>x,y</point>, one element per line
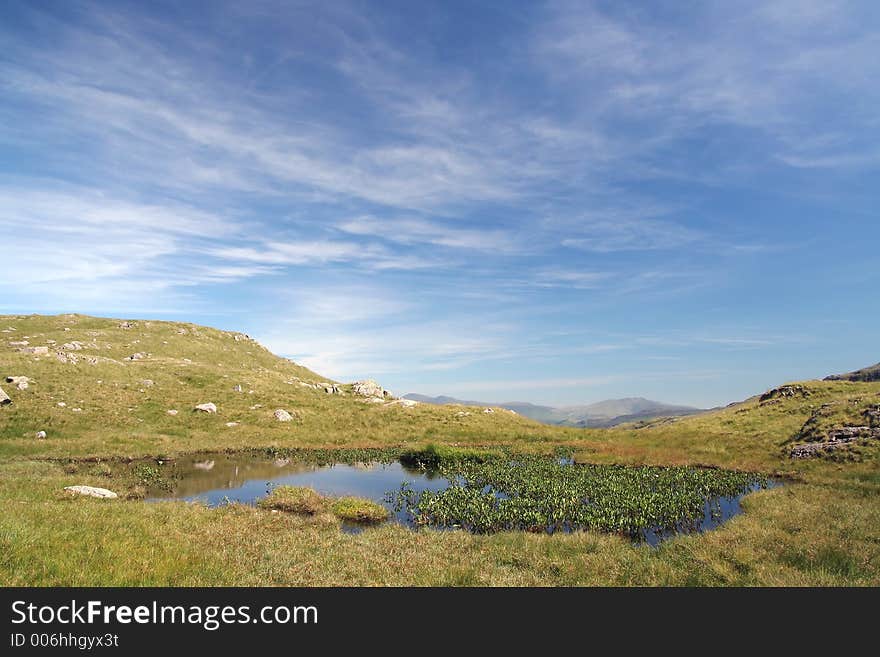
<point>557,202</point>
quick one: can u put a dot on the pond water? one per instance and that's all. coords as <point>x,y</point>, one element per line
<point>218,479</point>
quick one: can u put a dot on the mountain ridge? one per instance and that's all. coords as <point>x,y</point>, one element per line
<point>605,413</point>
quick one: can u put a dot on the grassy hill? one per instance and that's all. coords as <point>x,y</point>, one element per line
<point>820,528</point>
<point>871,373</point>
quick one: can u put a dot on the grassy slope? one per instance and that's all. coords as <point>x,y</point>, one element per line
<point>822,528</point>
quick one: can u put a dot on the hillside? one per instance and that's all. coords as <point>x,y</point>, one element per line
<point>99,407</point>
<point>107,386</point>
<point>603,414</point>
<point>871,373</point>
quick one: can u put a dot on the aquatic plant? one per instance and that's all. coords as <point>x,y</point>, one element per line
<point>541,494</point>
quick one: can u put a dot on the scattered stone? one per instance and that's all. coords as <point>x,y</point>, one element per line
<point>4,398</point>
<point>204,465</point>
<point>210,407</point>
<point>72,346</point>
<point>283,416</point>
<point>256,406</point>
<point>488,410</point>
<point>375,400</point>
<point>65,357</point>
<point>232,424</point>
<point>126,325</point>
<point>91,491</point>
<point>20,382</point>
<point>61,404</point>
<point>41,435</point>
<point>236,388</point>
<point>138,356</point>
<point>331,388</point>
<point>171,412</point>
<point>36,351</point>
<point>76,410</point>
<point>66,328</point>
<point>369,388</point>
<point>19,343</point>
<point>462,414</point>
<point>147,383</point>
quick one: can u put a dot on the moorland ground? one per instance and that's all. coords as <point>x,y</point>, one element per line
<point>99,407</point>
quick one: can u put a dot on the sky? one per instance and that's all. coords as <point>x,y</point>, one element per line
<point>552,202</point>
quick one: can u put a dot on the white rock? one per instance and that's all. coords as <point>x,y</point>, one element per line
<point>283,416</point>
<point>91,491</point>
<point>4,398</point>
<point>41,435</point>
<point>232,424</point>
<point>61,404</point>
<point>76,410</point>
<point>369,388</point>
<point>236,388</point>
<point>172,412</point>
<point>210,407</point>
<point>37,351</point>
<point>406,403</point>
<point>488,410</point>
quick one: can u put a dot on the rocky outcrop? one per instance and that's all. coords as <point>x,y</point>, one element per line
<point>837,438</point>
<point>282,416</point>
<point>209,407</point>
<point>92,491</point>
<point>4,398</point>
<point>36,351</point>
<point>783,392</point>
<point>20,382</point>
<point>369,388</point>
<point>865,374</point>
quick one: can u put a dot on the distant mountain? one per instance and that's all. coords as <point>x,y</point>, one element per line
<point>608,413</point>
<point>865,374</point>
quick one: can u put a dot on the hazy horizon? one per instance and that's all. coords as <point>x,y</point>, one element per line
<point>558,202</point>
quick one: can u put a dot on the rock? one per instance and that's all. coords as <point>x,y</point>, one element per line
<point>488,410</point>
<point>19,343</point>
<point>331,388</point>
<point>76,410</point>
<point>256,406</point>
<point>283,416</point>
<point>41,435</point>
<point>4,398</point>
<point>232,424</point>
<point>72,346</point>
<point>171,412</point>
<point>204,465</point>
<point>138,356</point>
<point>785,391</point>
<point>406,403</point>
<point>37,351</point>
<point>210,407</point>
<point>236,388</point>
<point>374,400</point>
<point>61,404</point>
<point>462,414</point>
<point>91,491</point>
<point>369,388</point>
<point>126,325</point>
<point>147,383</point>
<point>837,438</point>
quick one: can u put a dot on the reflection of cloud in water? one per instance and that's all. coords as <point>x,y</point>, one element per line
<point>204,465</point>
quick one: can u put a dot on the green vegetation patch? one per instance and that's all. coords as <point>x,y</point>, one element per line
<point>294,499</point>
<point>540,494</point>
<point>360,510</point>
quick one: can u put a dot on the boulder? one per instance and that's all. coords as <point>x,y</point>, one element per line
<point>283,416</point>
<point>209,407</point>
<point>488,410</point>
<point>4,398</point>
<point>369,388</point>
<point>171,412</point>
<point>236,388</point>
<point>148,383</point>
<point>41,435</point>
<point>138,356</point>
<point>91,491</point>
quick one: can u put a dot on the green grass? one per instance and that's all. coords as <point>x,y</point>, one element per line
<point>294,499</point>
<point>356,509</point>
<point>822,528</point>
